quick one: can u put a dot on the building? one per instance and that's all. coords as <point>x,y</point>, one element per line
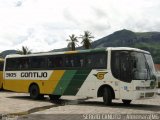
<point>157,67</point>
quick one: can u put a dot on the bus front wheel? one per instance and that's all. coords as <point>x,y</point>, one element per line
<point>126,102</point>
<point>34,92</point>
<point>107,96</point>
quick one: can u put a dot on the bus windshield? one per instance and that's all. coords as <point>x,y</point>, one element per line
<point>142,66</point>
<point>150,64</point>
<point>131,65</point>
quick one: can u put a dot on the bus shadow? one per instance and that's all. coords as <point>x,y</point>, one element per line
<point>6,91</point>
<point>145,107</point>
<point>80,102</point>
<point>45,99</point>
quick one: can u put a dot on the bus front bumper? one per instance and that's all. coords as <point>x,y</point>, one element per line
<point>144,94</point>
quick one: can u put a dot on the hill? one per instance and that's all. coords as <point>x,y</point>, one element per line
<point>149,41</point>
<point>7,52</point>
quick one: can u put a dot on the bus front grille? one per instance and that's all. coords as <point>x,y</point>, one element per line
<point>149,94</point>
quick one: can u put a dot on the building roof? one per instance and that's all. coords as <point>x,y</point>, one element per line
<point>157,67</point>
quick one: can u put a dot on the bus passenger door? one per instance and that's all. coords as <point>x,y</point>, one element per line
<point>120,67</point>
<point>125,76</point>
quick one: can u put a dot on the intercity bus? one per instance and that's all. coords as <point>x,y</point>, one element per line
<point>1,73</point>
<point>112,73</point>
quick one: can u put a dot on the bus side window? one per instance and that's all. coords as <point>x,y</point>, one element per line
<point>100,60</point>
<point>23,63</point>
<point>70,61</point>
<point>80,61</point>
<point>50,62</point>
<point>11,64</point>
<point>38,63</point>
<point>1,65</point>
<point>58,61</point>
<point>74,61</point>
<point>89,61</point>
<point>96,61</point>
<point>67,61</point>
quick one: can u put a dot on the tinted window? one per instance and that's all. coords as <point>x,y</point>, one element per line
<point>58,61</point>
<point>55,62</point>
<point>75,61</point>
<point>120,65</point>
<point>50,62</point>
<point>90,61</point>
<point>150,64</point>
<point>128,65</point>
<point>139,68</point>
<point>17,64</point>
<point>97,60</point>
<point>100,60</point>
<point>79,61</point>
<point>23,63</point>
<point>1,65</point>
<point>38,62</point>
<point>71,61</point>
<point>12,64</point>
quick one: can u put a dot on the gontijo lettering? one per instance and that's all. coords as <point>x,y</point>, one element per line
<point>34,74</point>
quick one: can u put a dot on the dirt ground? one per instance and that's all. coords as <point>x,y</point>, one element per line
<point>20,104</point>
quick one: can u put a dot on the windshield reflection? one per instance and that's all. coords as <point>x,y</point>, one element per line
<point>143,67</point>
<point>130,65</point>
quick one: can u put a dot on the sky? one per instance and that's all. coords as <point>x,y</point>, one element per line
<point>44,25</point>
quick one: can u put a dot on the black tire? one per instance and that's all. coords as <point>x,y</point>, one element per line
<point>34,92</point>
<point>126,102</point>
<point>54,97</point>
<point>41,96</point>
<point>107,96</point>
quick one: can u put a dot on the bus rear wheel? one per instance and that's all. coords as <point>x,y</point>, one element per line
<point>107,96</point>
<point>126,102</point>
<point>34,92</point>
<point>54,97</point>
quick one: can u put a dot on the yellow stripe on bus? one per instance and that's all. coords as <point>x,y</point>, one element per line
<point>50,85</point>
<point>45,86</point>
<point>71,52</point>
<point>1,79</point>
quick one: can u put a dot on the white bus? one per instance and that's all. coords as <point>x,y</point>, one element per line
<point>112,73</point>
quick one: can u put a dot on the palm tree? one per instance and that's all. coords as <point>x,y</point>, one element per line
<point>86,39</point>
<point>72,42</point>
<point>24,51</point>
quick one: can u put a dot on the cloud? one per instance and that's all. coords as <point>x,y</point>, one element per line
<point>19,3</point>
<point>43,25</point>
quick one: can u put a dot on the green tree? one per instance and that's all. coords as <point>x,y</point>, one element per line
<point>72,42</point>
<point>24,51</point>
<point>86,39</point>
